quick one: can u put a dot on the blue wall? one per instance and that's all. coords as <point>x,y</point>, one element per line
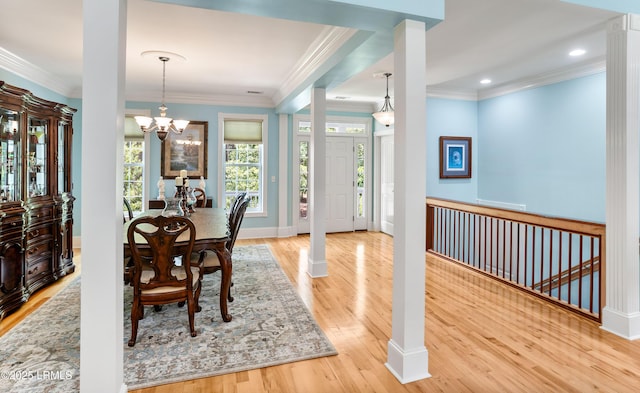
<point>447,117</point>
<point>545,148</point>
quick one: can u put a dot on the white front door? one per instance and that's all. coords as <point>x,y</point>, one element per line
<point>340,184</point>
<point>346,185</point>
<point>386,184</point>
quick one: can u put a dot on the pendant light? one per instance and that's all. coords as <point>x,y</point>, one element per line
<point>385,115</point>
<point>163,123</point>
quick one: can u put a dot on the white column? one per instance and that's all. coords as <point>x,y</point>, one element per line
<point>407,356</point>
<point>317,265</point>
<point>621,314</point>
<point>103,79</point>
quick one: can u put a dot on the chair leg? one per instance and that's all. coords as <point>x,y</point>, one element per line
<point>135,315</point>
<point>197,296</point>
<point>191,310</point>
<point>229,297</point>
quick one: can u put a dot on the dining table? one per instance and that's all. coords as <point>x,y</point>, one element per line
<point>212,234</point>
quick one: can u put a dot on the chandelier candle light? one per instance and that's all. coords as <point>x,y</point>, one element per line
<point>163,124</point>
<point>385,115</point>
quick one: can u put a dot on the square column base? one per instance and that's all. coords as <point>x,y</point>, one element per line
<point>407,366</point>
<point>621,324</point>
<point>317,268</point>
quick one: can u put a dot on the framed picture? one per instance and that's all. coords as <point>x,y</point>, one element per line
<point>455,157</point>
<point>185,151</point>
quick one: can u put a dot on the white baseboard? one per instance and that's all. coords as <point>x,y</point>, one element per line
<point>269,232</point>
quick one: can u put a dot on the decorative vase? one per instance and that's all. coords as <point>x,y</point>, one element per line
<point>173,207</point>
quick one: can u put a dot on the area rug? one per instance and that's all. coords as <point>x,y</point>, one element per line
<point>270,326</point>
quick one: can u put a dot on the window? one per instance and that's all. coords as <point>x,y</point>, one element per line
<point>303,187</point>
<point>244,157</point>
<point>134,164</point>
<point>335,127</point>
<point>134,173</point>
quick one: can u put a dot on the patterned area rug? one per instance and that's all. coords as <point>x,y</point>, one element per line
<point>270,326</point>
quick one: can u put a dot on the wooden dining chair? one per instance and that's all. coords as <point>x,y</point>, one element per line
<point>209,259</point>
<point>201,197</point>
<point>163,272</point>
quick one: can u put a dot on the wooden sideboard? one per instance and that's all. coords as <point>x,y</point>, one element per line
<point>36,204</point>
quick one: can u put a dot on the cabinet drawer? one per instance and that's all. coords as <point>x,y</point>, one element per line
<point>37,250</point>
<point>11,225</point>
<point>35,270</point>
<point>38,233</point>
<point>40,214</point>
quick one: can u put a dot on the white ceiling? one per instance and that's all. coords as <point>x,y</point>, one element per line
<point>512,42</point>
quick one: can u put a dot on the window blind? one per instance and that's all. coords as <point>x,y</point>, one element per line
<point>132,130</point>
<point>243,131</point>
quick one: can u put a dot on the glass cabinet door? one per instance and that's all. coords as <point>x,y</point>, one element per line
<point>61,156</point>
<point>9,155</point>
<point>37,137</point>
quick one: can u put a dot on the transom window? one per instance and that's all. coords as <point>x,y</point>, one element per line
<point>335,127</point>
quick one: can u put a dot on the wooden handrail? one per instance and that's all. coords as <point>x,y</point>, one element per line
<point>563,224</point>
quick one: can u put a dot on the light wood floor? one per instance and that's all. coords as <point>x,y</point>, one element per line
<point>482,336</point>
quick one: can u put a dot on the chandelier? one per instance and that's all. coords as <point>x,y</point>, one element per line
<point>385,115</point>
<point>163,123</point>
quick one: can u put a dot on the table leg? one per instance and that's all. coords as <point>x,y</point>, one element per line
<point>225,282</point>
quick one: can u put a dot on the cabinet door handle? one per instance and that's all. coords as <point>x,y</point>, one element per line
<point>34,233</point>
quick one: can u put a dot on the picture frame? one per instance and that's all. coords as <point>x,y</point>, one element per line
<point>187,150</point>
<point>455,157</point>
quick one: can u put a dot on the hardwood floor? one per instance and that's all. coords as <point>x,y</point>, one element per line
<point>482,336</point>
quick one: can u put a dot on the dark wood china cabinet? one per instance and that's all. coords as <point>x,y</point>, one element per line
<point>36,204</point>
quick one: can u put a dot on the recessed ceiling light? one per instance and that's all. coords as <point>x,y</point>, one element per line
<point>577,52</point>
<point>254,92</point>
<point>485,81</point>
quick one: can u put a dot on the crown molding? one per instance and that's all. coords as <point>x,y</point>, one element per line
<point>595,66</point>
<point>330,40</point>
<point>220,100</point>
<point>351,106</point>
<point>22,68</point>
<point>461,94</point>
<point>585,69</point>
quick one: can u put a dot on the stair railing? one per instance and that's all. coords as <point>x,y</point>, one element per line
<point>559,260</point>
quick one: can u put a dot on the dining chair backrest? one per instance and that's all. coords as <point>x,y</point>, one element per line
<point>236,201</point>
<point>201,197</point>
<point>127,212</point>
<point>152,244</point>
<point>235,221</point>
